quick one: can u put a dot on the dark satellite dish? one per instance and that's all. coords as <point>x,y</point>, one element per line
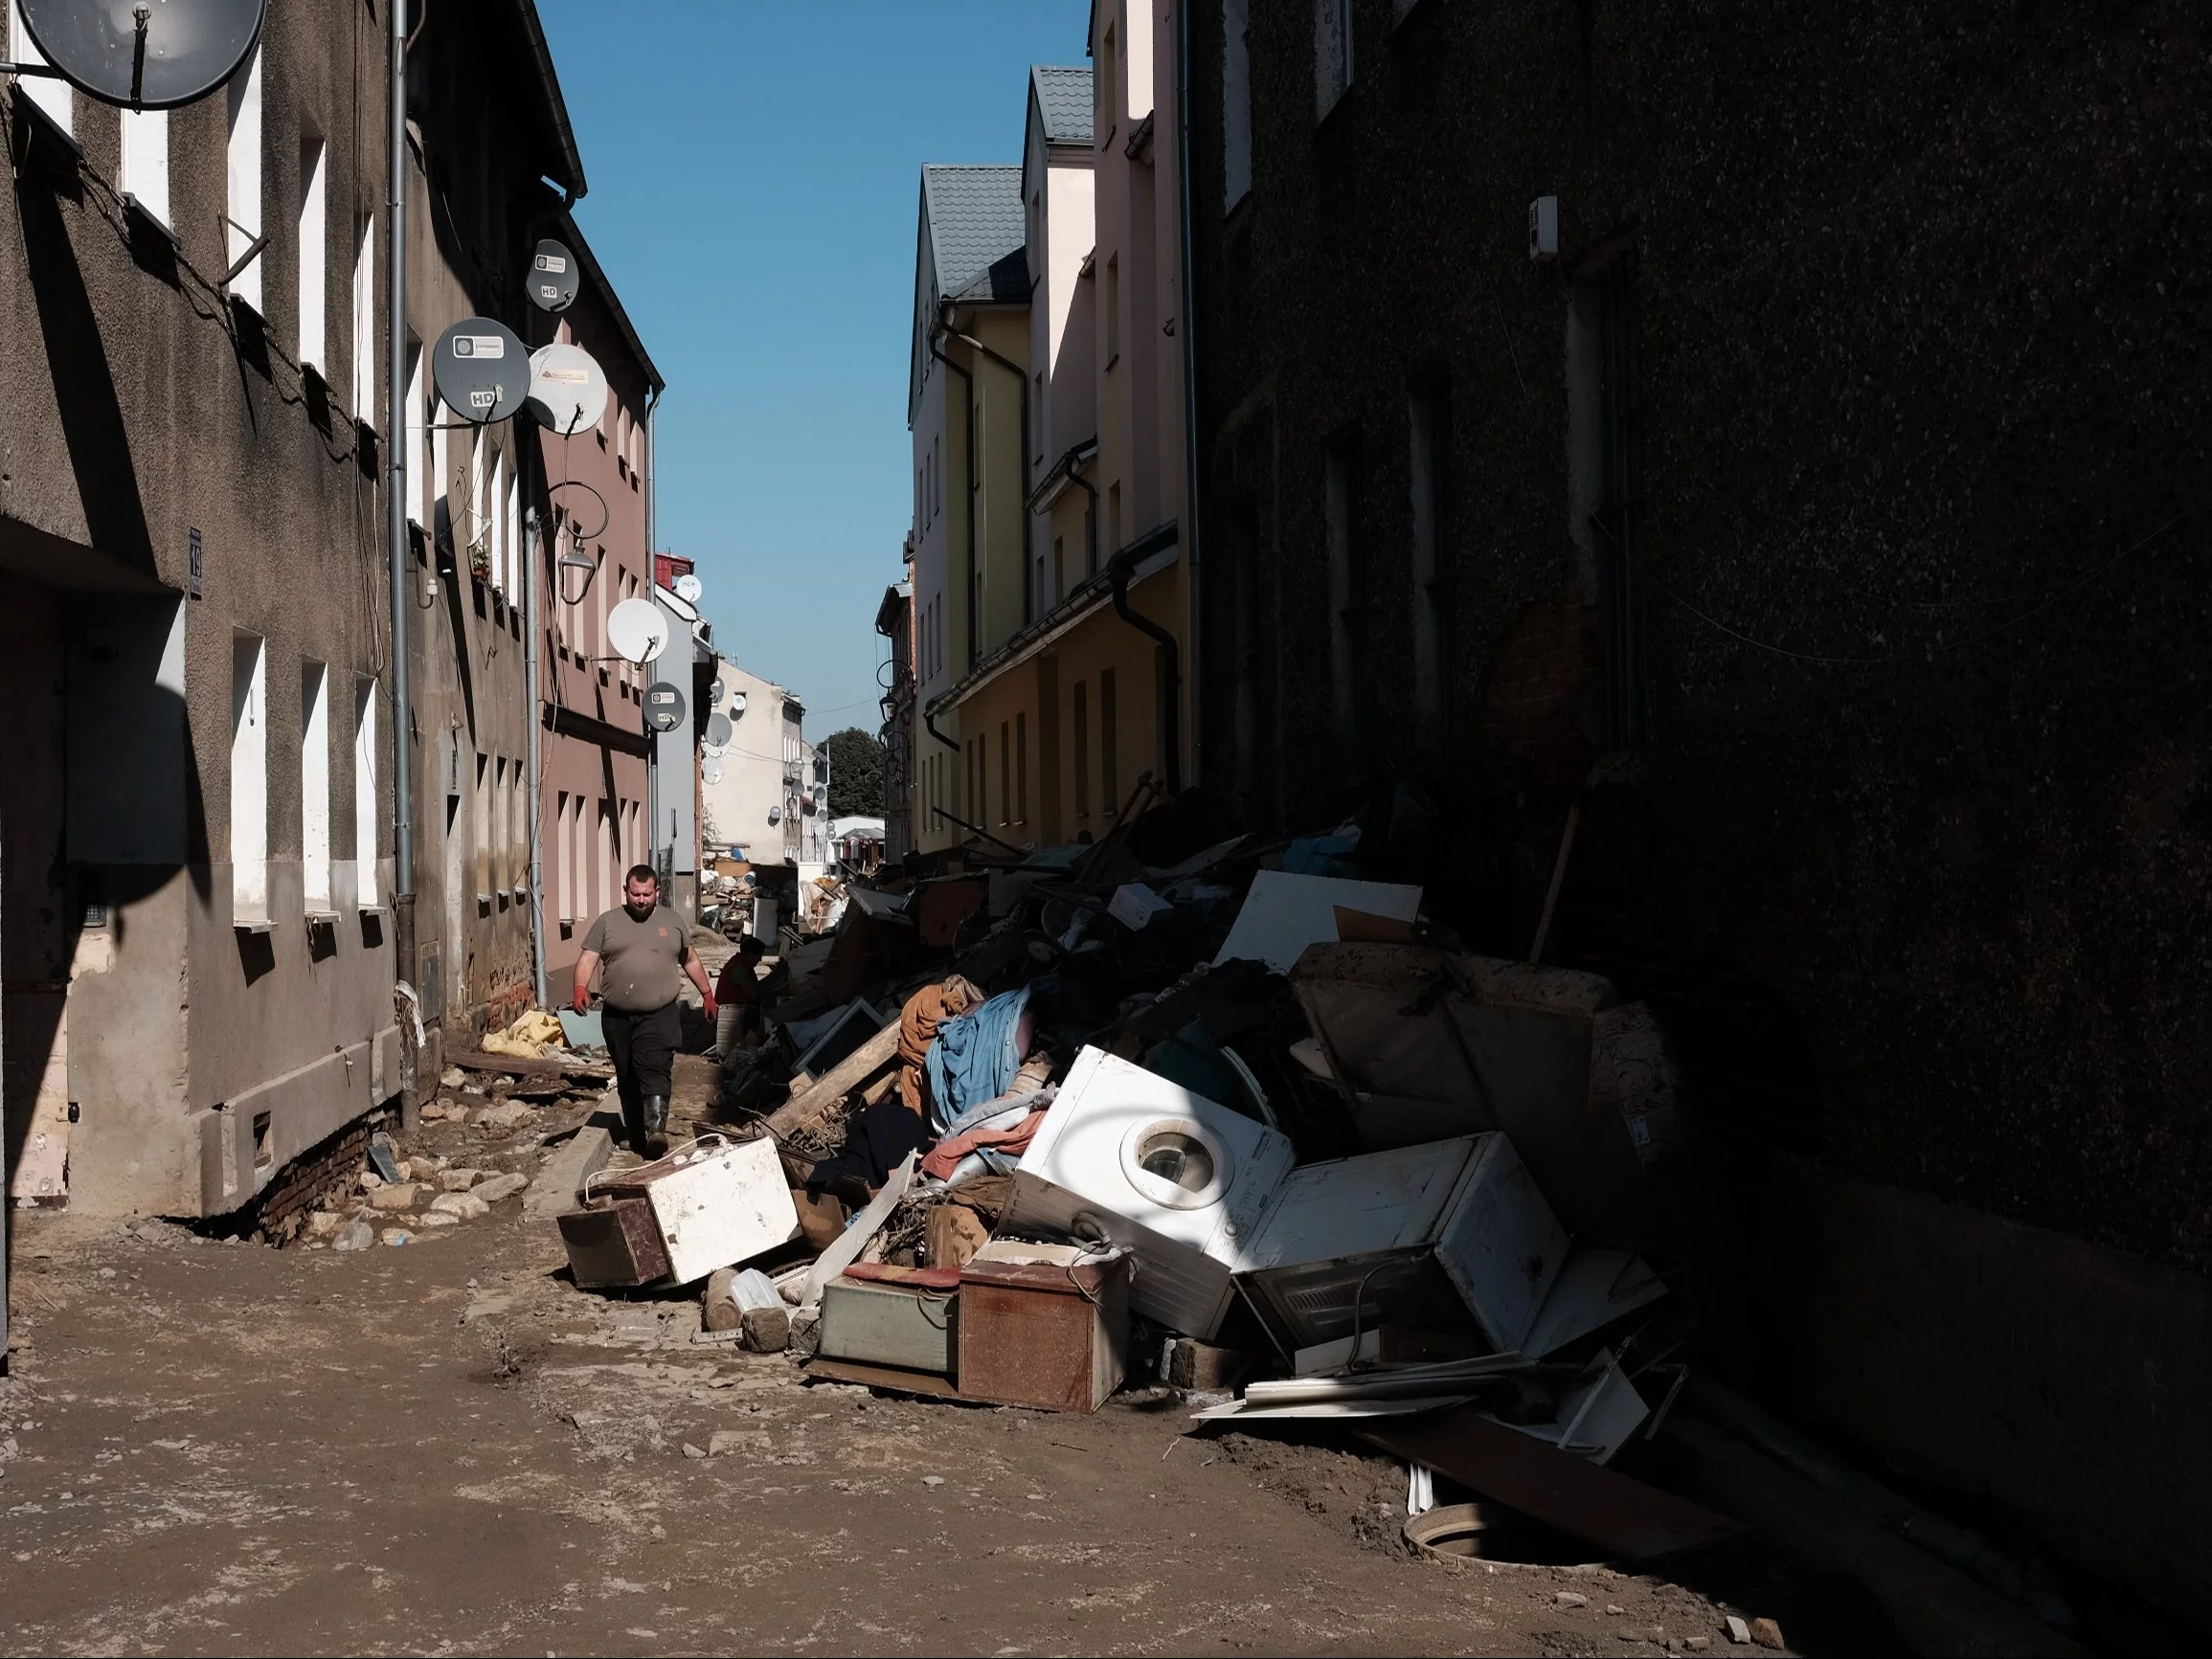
<point>554,279</point>
<point>482,371</point>
<point>718,731</point>
<point>144,53</point>
<point>664,705</point>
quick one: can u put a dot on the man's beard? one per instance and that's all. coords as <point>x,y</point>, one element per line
<point>639,912</point>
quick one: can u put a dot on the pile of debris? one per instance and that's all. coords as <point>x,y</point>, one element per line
<point>1187,1109</point>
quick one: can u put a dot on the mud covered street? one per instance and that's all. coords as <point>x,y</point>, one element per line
<point>443,1447</point>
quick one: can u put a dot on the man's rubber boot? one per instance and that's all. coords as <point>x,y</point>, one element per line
<point>656,1115</point>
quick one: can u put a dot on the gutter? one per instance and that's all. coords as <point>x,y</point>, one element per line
<point>1171,658</point>
<point>968,502</point>
<point>1066,470</point>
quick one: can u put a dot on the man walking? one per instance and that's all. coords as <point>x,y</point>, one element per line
<point>646,953</point>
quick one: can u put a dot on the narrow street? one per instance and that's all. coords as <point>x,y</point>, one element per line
<point>219,1447</point>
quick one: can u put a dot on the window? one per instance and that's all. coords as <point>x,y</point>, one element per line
<point>1235,103</point>
<point>1005,775</point>
<point>314,257</point>
<point>1037,421</point>
<point>1332,53</point>
<point>470,527</point>
<point>243,153</point>
<point>1109,88</point>
<point>249,781</point>
<point>441,521</point>
<point>1109,762</point>
<point>564,872</point>
<point>417,456</point>
<point>482,817</point>
<point>519,555</point>
<point>50,96</point>
<point>1113,310</point>
<point>1059,569</point>
<point>365,792</point>
<point>365,322</point>
<point>146,161</point>
<point>1021,768</point>
<point>1348,593</point>
<point>1431,432</point>
<point>315,787</point>
<point>1113,519</point>
<point>1081,710</point>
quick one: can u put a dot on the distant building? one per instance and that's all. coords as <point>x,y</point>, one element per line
<point>895,620</point>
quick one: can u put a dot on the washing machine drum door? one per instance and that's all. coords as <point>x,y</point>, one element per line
<point>1177,1164</point>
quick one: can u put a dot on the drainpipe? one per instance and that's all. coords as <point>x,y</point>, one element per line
<point>396,424</point>
<point>535,792</point>
<point>1124,563</point>
<point>930,724</point>
<point>969,502</point>
<point>652,586</point>
<point>1190,513</point>
<point>1021,380</point>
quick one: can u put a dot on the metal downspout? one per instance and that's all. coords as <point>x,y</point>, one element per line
<point>969,502</point>
<point>532,784</point>
<point>1022,380</point>
<point>1171,662</point>
<point>1191,515</point>
<point>396,424</point>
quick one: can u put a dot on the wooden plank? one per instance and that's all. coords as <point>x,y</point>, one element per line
<point>805,1111</point>
<point>924,1382</point>
<point>1613,1510</point>
<point>515,1065</point>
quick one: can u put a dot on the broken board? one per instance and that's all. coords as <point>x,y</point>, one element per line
<point>1618,1514</point>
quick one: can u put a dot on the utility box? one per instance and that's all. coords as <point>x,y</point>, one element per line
<point>613,1243</point>
<point>716,1204</point>
<point>870,1322</point>
<point>1043,1325</point>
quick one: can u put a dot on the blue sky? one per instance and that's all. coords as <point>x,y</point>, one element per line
<point>755,176</point>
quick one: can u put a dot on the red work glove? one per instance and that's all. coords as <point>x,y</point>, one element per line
<point>582,997</point>
<point>706,997</point>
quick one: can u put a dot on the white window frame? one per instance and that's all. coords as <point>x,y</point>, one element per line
<point>249,847</point>
<point>365,322</point>
<point>1333,66</point>
<point>315,789</point>
<point>365,882</point>
<point>313,333</point>
<point>242,197</point>
<point>144,173</point>
<point>423,496</point>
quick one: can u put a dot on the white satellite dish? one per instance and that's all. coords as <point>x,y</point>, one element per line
<point>714,691</point>
<point>711,770</point>
<point>736,703</point>
<point>637,630</point>
<point>775,815</point>
<point>568,389</point>
<point>688,588</point>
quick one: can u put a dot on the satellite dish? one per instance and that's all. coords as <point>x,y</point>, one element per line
<point>775,815</point>
<point>154,55</point>
<point>714,691</point>
<point>719,731</point>
<point>736,703</point>
<point>664,705</point>
<point>568,389</point>
<point>554,276</point>
<point>710,771</point>
<point>688,588</point>
<point>637,630</point>
<point>482,371</point>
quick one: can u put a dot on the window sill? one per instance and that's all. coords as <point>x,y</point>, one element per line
<point>258,927</point>
<point>322,918</point>
<point>152,221</point>
<point>372,910</point>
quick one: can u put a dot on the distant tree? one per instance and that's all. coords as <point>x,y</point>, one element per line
<point>857,773</point>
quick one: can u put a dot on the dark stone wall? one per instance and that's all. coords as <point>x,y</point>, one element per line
<point>1918,853</point>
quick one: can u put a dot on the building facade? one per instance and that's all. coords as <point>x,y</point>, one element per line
<point>195,771</point>
<point>593,501</point>
<point>1052,615</point>
<point>1770,452</point>
<point>894,622</point>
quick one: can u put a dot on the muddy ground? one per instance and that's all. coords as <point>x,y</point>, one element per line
<point>442,1446</point>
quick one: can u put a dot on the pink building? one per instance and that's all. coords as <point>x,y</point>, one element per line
<point>595,509</point>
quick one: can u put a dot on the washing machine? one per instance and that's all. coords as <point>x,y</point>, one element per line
<point>1179,1181</point>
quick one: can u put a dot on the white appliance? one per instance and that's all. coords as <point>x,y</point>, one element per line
<point>1451,1236</point>
<point>717,1203</point>
<point>1178,1180</point>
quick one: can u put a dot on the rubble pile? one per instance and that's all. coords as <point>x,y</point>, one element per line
<point>1187,1110</point>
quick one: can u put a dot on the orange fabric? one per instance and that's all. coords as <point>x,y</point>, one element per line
<point>918,1028</point>
<point>945,1156</point>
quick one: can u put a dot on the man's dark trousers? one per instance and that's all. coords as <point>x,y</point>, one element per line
<point>643,1048</point>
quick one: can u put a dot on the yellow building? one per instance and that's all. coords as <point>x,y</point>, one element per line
<point>1050,606</point>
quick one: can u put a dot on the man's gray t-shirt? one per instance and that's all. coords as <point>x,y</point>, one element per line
<point>640,963</point>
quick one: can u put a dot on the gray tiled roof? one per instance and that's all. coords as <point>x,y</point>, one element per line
<point>1063,99</point>
<point>977,232</point>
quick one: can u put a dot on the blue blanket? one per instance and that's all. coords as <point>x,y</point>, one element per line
<point>974,1058</point>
